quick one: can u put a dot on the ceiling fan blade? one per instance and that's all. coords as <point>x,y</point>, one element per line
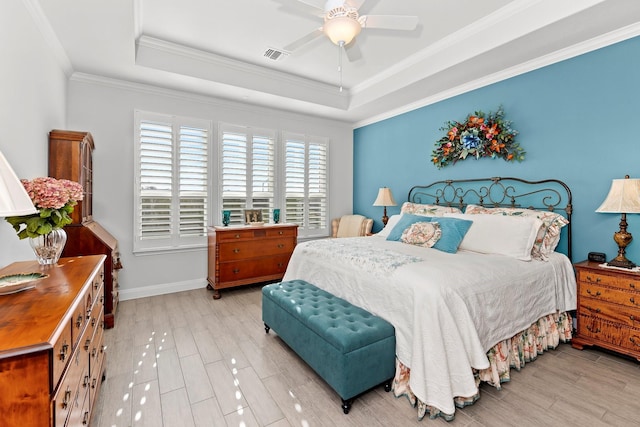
<point>318,4</point>
<point>356,4</point>
<point>389,22</point>
<point>353,51</point>
<point>291,47</point>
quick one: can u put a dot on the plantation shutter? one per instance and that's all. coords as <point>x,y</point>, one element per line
<point>306,183</point>
<point>248,171</point>
<point>172,175</point>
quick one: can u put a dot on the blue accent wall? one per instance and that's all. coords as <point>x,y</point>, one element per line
<point>578,120</point>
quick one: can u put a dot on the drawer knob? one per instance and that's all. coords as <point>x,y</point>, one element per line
<point>632,285</point>
<point>63,351</point>
<point>597,293</point>
<point>85,381</point>
<point>85,418</point>
<point>237,236</point>
<point>597,310</point>
<point>634,341</point>
<point>633,301</point>
<point>79,321</point>
<point>593,330</point>
<point>87,343</point>
<point>280,232</point>
<point>236,251</point>
<point>280,245</point>
<point>236,270</point>
<point>94,382</point>
<point>94,351</point>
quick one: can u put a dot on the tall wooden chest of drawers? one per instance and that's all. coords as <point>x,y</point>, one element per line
<point>608,309</point>
<point>52,357</point>
<point>241,255</point>
<point>71,157</point>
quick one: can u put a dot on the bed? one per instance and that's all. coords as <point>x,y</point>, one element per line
<point>466,308</point>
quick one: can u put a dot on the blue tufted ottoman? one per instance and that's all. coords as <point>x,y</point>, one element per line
<point>350,348</point>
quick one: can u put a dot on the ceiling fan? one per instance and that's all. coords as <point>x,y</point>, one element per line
<point>342,23</point>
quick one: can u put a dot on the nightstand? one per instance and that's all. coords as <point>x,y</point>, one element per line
<point>608,311</point>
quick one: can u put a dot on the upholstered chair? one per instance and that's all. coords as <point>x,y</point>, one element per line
<point>351,226</point>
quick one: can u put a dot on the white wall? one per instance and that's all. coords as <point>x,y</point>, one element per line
<point>32,102</point>
<point>106,107</point>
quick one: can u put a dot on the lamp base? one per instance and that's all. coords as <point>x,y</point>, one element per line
<point>621,263</point>
<point>622,239</point>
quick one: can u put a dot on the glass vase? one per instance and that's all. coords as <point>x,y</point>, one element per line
<point>48,247</point>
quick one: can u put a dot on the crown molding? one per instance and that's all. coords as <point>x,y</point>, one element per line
<point>578,49</point>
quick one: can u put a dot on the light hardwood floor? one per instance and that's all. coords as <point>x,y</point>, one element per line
<point>184,360</point>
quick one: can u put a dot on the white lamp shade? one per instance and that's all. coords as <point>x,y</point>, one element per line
<point>341,29</point>
<point>623,197</point>
<point>14,200</point>
<point>385,198</point>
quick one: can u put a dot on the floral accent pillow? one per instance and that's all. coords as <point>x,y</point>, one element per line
<point>422,234</point>
<point>427,210</point>
<point>548,234</point>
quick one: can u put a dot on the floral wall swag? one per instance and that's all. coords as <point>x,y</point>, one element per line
<point>480,135</point>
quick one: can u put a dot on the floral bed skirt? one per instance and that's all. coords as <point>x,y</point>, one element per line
<point>514,352</point>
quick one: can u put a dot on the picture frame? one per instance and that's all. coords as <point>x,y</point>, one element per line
<point>252,215</point>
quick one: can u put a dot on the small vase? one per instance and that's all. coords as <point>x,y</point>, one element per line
<point>48,247</point>
<point>226,217</point>
<point>276,216</point>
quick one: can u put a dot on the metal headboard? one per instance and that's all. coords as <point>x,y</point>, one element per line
<point>549,194</point>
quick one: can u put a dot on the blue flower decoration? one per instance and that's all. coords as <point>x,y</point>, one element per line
<point>470,140</point>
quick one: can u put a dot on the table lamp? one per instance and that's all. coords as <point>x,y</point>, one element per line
<point>14,200</point>
<point>623,198</point>
<point>385,198</point>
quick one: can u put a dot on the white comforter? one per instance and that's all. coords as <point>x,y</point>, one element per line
<point>447,309</point>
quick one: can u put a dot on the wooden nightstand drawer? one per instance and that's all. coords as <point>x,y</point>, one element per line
<point>608,312</point>
<point>232,271</point>
<point>612,295</point>
<point>233,251</point>
<point>611,280</point>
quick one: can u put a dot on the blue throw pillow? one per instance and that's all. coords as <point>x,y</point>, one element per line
<point>405,221</point>
<point>453,231</point>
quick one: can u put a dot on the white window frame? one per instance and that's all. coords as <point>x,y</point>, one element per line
<point>173,241</point>
<point>251,135</point>
<point>305,230</point>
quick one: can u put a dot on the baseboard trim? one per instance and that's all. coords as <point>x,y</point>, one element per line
<point>162,289</point>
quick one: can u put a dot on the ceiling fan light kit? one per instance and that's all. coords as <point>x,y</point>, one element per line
<point>342,29</point>
<point>342,23</point>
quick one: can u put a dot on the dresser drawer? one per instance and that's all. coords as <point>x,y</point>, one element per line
<point>282,232</point>
<point>232,271</point>
<point>612,280</point>
<point>609,334</point>
<point>62,350</point>
<point>68,391</point>
<point>613,295</point>
<point>611,312</point>
<point>81,315</point>
<point>238,234</point>
<point>247,249</point>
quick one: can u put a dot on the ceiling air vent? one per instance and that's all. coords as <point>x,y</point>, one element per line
<point>275,54</point>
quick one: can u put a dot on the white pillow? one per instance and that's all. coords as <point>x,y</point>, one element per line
<point>393,220</point>
<point>512,236</point>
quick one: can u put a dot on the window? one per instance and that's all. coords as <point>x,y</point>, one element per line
<point>306,184</point>
<point>172,172</point>
<point>181,188</point>
<point>247,171</point>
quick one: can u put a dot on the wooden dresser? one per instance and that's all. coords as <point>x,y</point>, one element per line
<point>608,309</point>
<point>52,359</point>
<point>71,157</point>
<point>241,255</point>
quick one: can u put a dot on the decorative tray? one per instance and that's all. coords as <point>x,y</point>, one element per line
<point>13,283</point>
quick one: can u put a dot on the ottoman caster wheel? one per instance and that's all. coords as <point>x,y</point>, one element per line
<point>346,405</point>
